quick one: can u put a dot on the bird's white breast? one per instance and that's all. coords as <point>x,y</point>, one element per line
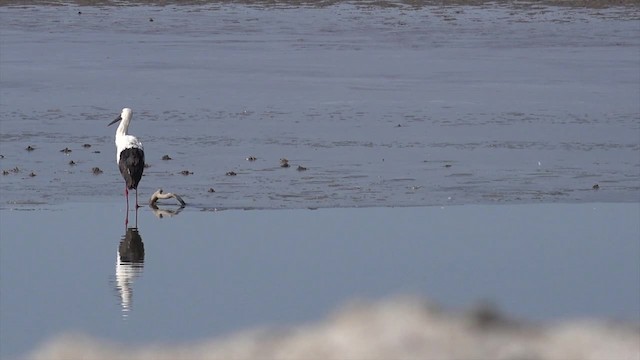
<point>126,142</point>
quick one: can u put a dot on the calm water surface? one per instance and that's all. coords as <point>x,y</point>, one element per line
<point>210,273</point>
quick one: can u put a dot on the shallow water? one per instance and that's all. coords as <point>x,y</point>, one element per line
<point>206,274</point>
<point>383,106</point>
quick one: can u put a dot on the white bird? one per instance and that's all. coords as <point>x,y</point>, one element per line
<point>129,155</point>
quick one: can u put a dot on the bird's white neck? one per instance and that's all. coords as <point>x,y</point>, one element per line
<point>122,127</point>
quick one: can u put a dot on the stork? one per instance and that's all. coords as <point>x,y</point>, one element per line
<point>129,155</point>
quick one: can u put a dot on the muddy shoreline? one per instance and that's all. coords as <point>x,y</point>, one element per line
<point>597,4</point>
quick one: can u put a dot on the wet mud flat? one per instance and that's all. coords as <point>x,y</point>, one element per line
<point>372,106</point>
<point>325,3</point>
<point>399,168</point>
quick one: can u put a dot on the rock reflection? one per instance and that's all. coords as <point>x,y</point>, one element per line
<point>129,265</point>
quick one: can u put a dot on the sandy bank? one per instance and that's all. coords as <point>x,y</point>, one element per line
<point>406,328</point>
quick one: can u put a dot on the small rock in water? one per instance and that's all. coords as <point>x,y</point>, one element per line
<point>96,171</point>
<point>231,173</point>
<point>30,148</point>
<point>166,157</point>
<point>150,19</point>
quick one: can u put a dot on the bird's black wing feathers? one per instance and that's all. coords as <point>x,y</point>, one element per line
<point>131,166</point>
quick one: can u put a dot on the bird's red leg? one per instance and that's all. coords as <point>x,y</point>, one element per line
<point>137,206</point>
<point>126,194</point>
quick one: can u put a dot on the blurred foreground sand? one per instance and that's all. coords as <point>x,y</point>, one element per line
<point>402,328</point>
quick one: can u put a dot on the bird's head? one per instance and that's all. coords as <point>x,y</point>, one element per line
<point>125,115</point>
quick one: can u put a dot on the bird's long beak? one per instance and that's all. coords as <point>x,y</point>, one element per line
<point>115,121</point>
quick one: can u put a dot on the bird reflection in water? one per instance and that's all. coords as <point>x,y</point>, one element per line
<point>129,265</point>
<point>166,212</point>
